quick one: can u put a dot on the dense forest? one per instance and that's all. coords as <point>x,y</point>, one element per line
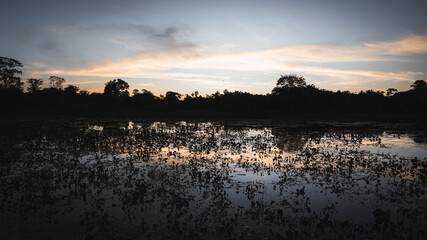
<point>291,96</point>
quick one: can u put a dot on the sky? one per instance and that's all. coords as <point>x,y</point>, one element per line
<point>209,46</point>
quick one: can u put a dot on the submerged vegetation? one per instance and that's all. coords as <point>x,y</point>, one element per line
<point>292,95</point>
<point>212,180</point>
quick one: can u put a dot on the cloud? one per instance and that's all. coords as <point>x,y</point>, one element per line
<point>83,82</point>
<point>145,84</point>
<point>97,90</point>
<point>35,65</point>
<point>412,44</point>
<point>49,45</point>
<point>167,36</point>
<point>136,65</point>
<point>172,61</point>
<point>350,74</point>
<point>140,36</point>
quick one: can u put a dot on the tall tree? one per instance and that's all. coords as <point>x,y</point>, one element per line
<point>419,85</point>
<point>8,72</point>
<point>172,98</point>
<point>56,82</point>
<point>116,87</point>
<point>289,81</point>
<point>71,89</point>
<point>34,84</point>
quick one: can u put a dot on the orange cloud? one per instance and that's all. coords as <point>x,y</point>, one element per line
<point>408,45</point>
<point>172,62</point>
<point>368,75</point>
<point>83,82</point>
<point>98,90</point>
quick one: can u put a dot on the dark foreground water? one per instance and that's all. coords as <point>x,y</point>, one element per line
<point>212,180</point>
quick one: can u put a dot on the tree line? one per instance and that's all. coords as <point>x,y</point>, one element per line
<point>291,96</point>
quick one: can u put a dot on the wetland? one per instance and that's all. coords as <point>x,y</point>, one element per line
<point>222,179</point>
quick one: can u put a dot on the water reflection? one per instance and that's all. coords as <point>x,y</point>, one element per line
<point>212,180</point>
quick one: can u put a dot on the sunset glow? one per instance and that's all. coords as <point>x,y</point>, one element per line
<point>169,46</point>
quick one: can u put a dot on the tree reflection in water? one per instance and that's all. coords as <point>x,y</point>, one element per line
<point>209,180</point>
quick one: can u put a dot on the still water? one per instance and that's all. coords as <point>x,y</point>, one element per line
<point>212,180</point>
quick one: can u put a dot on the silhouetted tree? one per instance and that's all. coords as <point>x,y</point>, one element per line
<point>34,84</point>
<point>95,94</point>
<point>172,98</point>
<point>116,88</point>
<point>71,89</point>
<point>188,97</point>
<point>291,95</point>
<point>56,82</point>
<point>8,72</point>
<point>171,94</point>
<point>419,85</point>
<point>195,94</point>
<point>84,93</point>
<point>391,92</point>
<point>289,81</point>
<point>146,92</point>
<point>144,98</point>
